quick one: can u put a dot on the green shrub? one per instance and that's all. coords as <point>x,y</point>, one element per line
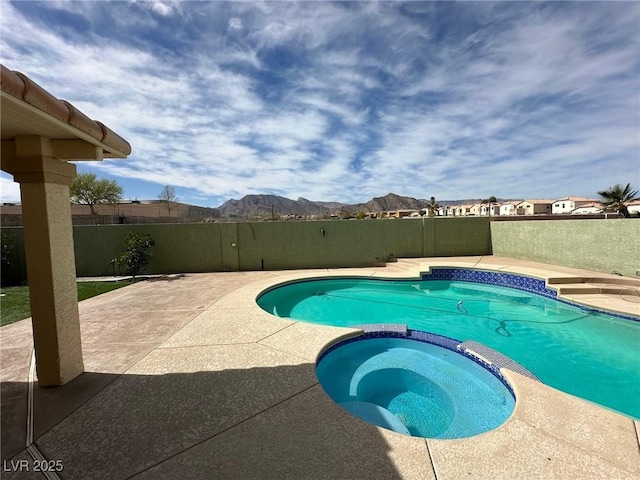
<point>9,247</point>
<point>136,255</point>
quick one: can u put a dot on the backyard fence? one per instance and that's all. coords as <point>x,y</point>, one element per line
<point>598,245</point>
<point>211,247</point>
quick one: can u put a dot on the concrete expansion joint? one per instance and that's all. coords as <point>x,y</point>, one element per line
<point>276,332</point>
<point>32,449</point>
<point>433,465</point>
<point>283,351</point>
<point>231,427</point>
<point>200,345</point>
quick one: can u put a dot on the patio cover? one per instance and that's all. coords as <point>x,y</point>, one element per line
<point>40,134</point>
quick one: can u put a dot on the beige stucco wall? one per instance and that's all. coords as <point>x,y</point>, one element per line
<point>282,245</point>
<point>599,245</point>
<point>179,247</point>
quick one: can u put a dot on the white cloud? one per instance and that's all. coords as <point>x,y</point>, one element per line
<point>347,101</point>
<point>161,7</point>
<point>9,190</point>
<point>235,24</point>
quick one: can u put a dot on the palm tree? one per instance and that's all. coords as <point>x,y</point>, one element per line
<point>489,201</point>
<point>617,198</point>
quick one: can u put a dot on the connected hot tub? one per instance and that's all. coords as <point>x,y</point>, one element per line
<point>415,387</point>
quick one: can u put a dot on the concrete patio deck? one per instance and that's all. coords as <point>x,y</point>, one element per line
<point>186,378</point>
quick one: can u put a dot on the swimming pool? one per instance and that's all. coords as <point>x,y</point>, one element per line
<point>584,352</point>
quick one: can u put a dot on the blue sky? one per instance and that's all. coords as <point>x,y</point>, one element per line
<point>345,101</point>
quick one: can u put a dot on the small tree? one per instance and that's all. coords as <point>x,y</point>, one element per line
<point>489,201</point>
<point>617,198</point>
<point>432,206</point>
<point>360,215</point>
<point>88,190</point>
<point>8,246</point>
<point>168,197</point>
<point>136,255</point>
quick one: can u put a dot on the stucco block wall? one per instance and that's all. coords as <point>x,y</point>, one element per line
<point>287,245</point>
<point>282,245</point>
<point>209,247</point>
<point>179,247</point>
<point>460,236</point>
<point>599,245</point>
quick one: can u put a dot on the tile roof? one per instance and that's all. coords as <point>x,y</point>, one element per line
<point>575,199</point>
<point>591,204</point>
<point>22,87</point>
<point>538,201</point>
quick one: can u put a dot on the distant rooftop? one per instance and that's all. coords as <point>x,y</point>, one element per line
<point>538,200</point>
<point>575,199</point>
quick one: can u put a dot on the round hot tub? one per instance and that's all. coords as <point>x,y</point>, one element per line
<point>414,387</point>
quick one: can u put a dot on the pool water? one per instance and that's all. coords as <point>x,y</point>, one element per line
<point>580,351</point>
<point>415,388</point>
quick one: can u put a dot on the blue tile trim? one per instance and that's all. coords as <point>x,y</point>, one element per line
<point>366,335</point>
<point>511,280</point>
<point>426,337</point>
<point>502,279</point>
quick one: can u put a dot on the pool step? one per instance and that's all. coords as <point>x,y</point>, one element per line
<point>610,280</point>
<point>413,266</point>
<point>595,285</point>
<point>564,285</point>
<point>372,413</point>
<point>582,289</point>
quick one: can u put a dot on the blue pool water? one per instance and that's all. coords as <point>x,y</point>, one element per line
<point>583,352</point>
<point>415,388</point>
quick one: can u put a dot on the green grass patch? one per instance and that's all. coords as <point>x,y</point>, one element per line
<point>15,305</point>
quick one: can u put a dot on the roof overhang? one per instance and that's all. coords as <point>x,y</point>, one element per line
<point>27,110</point>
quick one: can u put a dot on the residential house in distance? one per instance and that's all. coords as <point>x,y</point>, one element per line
<point>475,210</point>
<point>493,211</point>
<point>509,208</point>
<point>588,208</point>
<point>569,204</point>
<point>404,213</point>
<point>449,210</point>
<point>534,207</point>
<point>462,210</point>
<point>134,211</point>
<point>634,208</point>
<point>149,208</point>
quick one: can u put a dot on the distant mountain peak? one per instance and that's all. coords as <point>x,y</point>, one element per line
<point>257,205</point>
<point>264,205</point>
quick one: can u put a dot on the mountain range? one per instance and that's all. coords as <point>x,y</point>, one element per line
<point>265,205</point>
